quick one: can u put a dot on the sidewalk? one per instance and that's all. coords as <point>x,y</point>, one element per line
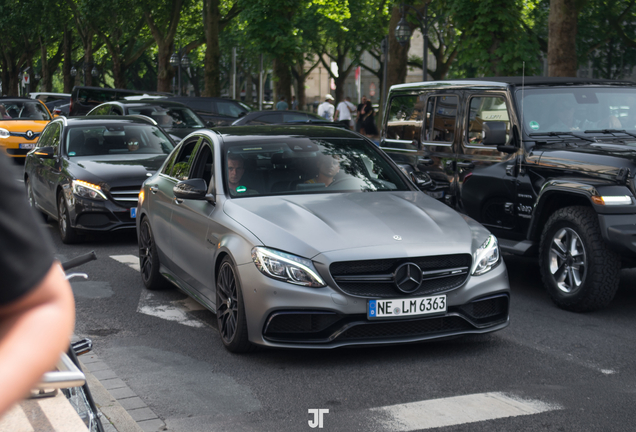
<point>122,409</point>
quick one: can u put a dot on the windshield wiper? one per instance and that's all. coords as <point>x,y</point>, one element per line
<point>611,131</point>
<point>558,134</point>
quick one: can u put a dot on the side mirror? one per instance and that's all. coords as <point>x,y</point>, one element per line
<point>45,152</point>
<point>209,124</point>
<point>494,133</point>
<point>241,114</point>
<point>195,189</point>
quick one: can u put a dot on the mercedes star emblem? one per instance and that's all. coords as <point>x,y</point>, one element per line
<point>408,277</point>
<point>397,237</point>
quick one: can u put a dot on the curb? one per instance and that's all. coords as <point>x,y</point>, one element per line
<point>120,406</point>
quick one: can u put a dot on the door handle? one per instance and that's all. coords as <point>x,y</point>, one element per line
<point>467,165</point>
<point>154,189</point>
<point>425,161</point>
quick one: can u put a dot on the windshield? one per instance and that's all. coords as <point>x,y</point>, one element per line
<point>116,139</point>
<point>23,110</point>
<point>577,109</point>
<point>307,166</point>
<point>170,117</point>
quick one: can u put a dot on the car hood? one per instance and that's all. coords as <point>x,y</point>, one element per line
<point>116,171</point>
<point>308,225</point>
<point>595,159</point>
<point>23,125</point>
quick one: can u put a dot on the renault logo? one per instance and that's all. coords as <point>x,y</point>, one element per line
<point>29,134</point>
<point>408,277</point>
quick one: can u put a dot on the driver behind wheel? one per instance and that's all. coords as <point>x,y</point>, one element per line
<point>328,168</point>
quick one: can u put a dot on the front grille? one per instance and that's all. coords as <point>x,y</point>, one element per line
<point>125,196</point>
<point>374,278</point>
<point>420,327</point>
<point>93,220</point>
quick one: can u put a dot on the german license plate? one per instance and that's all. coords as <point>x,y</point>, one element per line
<point>416,306</point>
<point>27,146</point>
<point>133,212</point>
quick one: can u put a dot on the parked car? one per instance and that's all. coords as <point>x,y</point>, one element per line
<point>59,107</point>
<point>86,172</point>
<point>174,117</point>
<point>47,97</point>
<point>311,237</point>
<point>283,117</point>
<point>217,111</point>
<point>546,164</point>
<point>21,123</point>
<point>84,99</point>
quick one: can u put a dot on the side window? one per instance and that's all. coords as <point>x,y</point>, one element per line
<point>404,124</point>
<point>441,116</point>
<point>102,110</point>
<point>116,111</point>
<point>55,136</point>
<point>202,166</point>
<point>183,162</point>
<point>47,135</point>
<point>483,109</point>
<point>167,168</point>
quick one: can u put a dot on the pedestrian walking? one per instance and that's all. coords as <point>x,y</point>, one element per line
<point>326,109</point>
<point>294,103</point>
<point>344,111</point>
<point>282,105</point>
<point>363,101</point>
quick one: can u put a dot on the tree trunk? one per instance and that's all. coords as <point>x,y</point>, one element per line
<point>118,72</point>
<point>68,61</point>
<point>562,28</point>
<point>398,55</point>
<point>211,78</point>
<point>164,70</point>
<point>45,82</point>
<point>249,96</point>
<point>282,85</point>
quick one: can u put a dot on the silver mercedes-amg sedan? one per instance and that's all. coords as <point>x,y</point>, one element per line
<point>311,237</point>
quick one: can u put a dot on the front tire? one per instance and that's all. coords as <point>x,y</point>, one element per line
<point>149,259</point>
<point>230,310</point>
<point>578,269</point>
<point>67,232</point>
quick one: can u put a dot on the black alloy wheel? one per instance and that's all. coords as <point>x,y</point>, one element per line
<point>31,198</point>
<point>67,232</point>
<point>579,270</point>
<point>149,259</point>
<point>230,311</point>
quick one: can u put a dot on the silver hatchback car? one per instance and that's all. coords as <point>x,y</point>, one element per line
<point>311,237</point>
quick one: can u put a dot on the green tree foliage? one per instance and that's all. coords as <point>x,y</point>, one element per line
<point>494,39</point>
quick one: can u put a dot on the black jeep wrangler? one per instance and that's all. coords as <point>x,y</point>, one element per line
<point>547,164</point>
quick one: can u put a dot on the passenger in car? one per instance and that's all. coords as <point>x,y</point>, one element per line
<point>328,167</point>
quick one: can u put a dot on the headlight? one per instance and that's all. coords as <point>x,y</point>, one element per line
<point>612,200</point>
<point>486,257</point>
<point>4,133</point>
<point>88,190</point>
<point>286,267</point>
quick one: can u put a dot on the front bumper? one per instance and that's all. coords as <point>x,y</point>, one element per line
<point>12,146</point>
<point>284,315</point>
<point>619,231</point>
<point>99,216</point>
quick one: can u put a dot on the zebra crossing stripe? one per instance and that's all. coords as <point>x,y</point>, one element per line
<point>150,305</point>
<point>456,410</point>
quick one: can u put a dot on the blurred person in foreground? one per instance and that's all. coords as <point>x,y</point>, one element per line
<point>37,309</point>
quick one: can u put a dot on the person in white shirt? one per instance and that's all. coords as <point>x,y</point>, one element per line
<point>325,109</point>
<point>343,112</point>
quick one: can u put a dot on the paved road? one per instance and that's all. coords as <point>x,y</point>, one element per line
<point>550,370</point>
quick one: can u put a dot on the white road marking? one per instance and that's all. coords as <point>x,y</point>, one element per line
<point>149,305</point>
<point>457,410</point>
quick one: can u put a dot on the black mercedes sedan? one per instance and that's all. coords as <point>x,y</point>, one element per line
<point>87,172</point>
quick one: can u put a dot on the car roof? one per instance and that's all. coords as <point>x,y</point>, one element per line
<point>517,81</point>
<point>106,120</point>
<point>239,133</point>
<point>17,98</point>
<point>149,102</point>
<point>198,98</point>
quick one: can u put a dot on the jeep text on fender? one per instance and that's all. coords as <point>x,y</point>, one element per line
<point>547,164</point>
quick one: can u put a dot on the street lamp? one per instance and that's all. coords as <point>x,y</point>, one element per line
<point>403,33</point>
<point>179,60</point>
